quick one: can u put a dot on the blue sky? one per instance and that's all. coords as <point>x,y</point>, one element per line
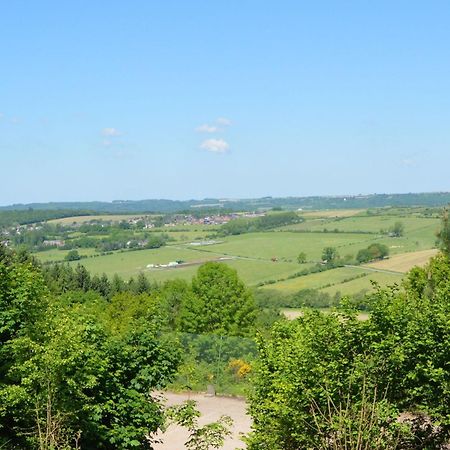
<point>103,100</point>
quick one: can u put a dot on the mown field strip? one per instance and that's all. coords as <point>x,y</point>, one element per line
<point>403,262</point>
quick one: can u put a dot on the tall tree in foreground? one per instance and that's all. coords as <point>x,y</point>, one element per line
<point>444,233</point>
<point>220,303</point>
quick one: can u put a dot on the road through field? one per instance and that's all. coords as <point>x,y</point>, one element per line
<point>211,409</point>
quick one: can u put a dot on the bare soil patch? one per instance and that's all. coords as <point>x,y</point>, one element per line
<point>211,409</point>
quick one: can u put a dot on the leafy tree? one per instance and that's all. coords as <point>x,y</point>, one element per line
<point>117,285</point>
<point>374,251</point>
<point>220,303</point>
<point>397,229</point>
<point>72,255</point>
<point>142,284</point>
<point>101,285</point>
<point>329,254</point>
<point>175,294</point>
<point>301,258</point>
<point>444,233</point>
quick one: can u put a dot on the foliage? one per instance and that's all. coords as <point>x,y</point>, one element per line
<point>267,222</point>
<point>73,255</point>
<point>76,370</point>
<point>220,303</point>
<point>321,360</point>
<point>301,258</point>
<point>329,254</point>
<point>240,367</point>
<point>207,358</point>
<point>444,233</point>
<point>30,215</point>
<point>348,425</point>
<point>397,229</point>
<point>372,252</point>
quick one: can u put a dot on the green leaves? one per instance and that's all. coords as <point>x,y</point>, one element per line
<point>220,303</point>
<point>322,372</point>
<point>75,368</point>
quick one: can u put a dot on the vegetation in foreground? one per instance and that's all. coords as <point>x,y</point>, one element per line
<point>78,364</point>
<point>329,381</point>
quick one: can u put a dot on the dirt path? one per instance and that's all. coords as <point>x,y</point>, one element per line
<point>211,409</point>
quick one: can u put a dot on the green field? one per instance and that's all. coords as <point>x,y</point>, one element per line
<point>286,246</point>
<point>271,257</point>
<point>360,284</point>
<point>317,280</point>
<point>59,255</point>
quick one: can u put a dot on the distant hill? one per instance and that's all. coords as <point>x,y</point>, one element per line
<point>433,199</point>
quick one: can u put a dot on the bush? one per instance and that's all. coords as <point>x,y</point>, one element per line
<point>318,374</point>
<point>72,255</point>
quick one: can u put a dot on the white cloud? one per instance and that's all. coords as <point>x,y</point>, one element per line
<point>111,132</point>
<point>408,162</point>
<point>224,121</point>
<point>215,145</point>
<point>205,128</point>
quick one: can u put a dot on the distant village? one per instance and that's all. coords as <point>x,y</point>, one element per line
<point>144,222</point>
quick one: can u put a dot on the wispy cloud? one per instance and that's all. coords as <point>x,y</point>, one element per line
<point>217,126</point>
<point>408,162</point>
<point>111,132</point>
<point>205,128</point>
<point>215,145</point>
<point>224,121</point>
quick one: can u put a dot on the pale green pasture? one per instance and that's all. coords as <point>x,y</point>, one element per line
<point>58,255</point>
<point>254,272</point>
<point>287,246</point>
<point>188,236</point>
<point>130,263</point>
<point>251,272</point>
<point>355,286</point>
<point>316,280</point>
<point>188,228</point>
<point>418,225</point>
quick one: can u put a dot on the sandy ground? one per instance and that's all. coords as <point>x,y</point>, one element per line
<point>211,408</point>
<point>292,314</point>
<point>405,261</point>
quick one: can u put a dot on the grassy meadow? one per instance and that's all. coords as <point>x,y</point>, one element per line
<point>270,258</point>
